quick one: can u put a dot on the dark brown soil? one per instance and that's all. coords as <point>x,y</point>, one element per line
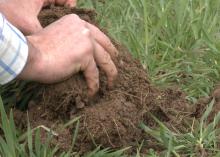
<point>112,117</point>
<point>51,14</point>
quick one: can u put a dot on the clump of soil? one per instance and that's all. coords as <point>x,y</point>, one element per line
<point>112,117</point>
<point>51,14</point>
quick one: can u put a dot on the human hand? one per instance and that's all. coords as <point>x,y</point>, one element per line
<point>66,47</point>
<point>68,3</point>
<point>23,13</point>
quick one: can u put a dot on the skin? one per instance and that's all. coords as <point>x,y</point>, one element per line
<point>51,58</point>
<point>23,13</point>
<point>67,3</point>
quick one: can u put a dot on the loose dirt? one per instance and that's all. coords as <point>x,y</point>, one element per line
<point>113,116</point>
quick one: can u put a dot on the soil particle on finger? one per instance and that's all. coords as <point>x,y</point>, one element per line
<point>112,117</point>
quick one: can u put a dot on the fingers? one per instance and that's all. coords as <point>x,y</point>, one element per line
<point>71,3</point>
<point>91,74</point>
<point>68,3</point>
<point>34,26</point>
<point>103,60</point>
<point>103,40</point>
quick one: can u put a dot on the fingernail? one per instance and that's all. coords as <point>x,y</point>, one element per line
<point>69,5</point>
<point>110,85</point>
<point>92,92</point>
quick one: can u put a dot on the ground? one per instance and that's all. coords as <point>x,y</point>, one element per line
<point>111,118</point>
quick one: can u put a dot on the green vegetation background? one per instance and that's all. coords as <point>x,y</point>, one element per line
<point>178,41</point>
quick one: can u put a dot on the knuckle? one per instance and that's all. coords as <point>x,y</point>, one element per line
<point>107,57</point>
<point>72,17</point>
<point>86,59</point>
<point>86,32</point>
<point>86,53</point>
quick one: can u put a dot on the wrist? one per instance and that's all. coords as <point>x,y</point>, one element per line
<point>33,68</point>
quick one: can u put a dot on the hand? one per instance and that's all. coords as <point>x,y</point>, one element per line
<point>68,3</point>
<point>23,13</point>
<point>66,47</point>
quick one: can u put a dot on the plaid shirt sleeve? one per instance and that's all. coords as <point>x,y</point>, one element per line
<point>13,51</point>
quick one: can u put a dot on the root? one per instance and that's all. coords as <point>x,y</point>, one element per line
<point>117,129</point>
<point>125,93</point>
<point>109,140</point>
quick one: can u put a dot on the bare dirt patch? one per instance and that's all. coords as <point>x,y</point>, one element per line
<point>112,117</point>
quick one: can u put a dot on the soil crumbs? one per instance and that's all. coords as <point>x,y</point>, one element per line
<point>113,116</point>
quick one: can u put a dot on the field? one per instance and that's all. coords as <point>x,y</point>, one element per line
<point>162,105</point>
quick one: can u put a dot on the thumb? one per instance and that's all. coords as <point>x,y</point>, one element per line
<point>33,27</point>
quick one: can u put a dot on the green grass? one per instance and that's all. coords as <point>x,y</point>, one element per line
<point>176,40</point>
<point>178,43</point>
<point>202,138</point>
